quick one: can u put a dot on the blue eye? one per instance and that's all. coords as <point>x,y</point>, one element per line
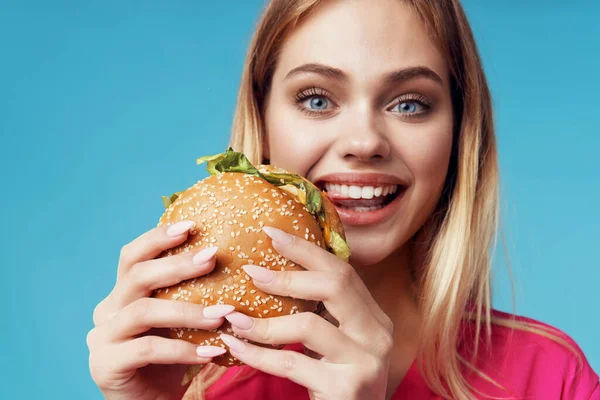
<point>409,107</point>
<point>317,103</point>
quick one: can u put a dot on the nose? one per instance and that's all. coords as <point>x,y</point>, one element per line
<point>363,138</point>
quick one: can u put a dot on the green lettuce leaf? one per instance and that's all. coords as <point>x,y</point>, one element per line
<point>167,201</point>
<point>230,161</point>
<point>278,179</point>
<point>338,246</point>
<point>314,201</point>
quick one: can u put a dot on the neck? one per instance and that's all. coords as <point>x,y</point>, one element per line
<point>391,284</point>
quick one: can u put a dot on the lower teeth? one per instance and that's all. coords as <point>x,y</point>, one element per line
<point>366,209</point>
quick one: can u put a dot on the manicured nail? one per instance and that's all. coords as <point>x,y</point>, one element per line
<point>278,235</point>
<point>259,273</point>
<point>218,311</point>
<point>179,228</point>
<point>210,351</point>
<point>234,344</point>
<point>240,320</point>
<point>204,255</point>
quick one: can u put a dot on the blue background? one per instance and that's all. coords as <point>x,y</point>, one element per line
<point>104,107</point>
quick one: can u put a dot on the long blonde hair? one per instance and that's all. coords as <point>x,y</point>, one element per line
<point>454,281</point>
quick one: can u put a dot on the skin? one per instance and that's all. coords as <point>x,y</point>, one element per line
<point>360,127</point>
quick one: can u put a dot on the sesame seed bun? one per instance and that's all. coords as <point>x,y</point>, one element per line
<point>230,209</point>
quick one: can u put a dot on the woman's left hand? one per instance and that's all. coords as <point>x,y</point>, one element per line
<point>355,355</point>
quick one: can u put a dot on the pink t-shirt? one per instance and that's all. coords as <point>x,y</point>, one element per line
<point>527,365</point>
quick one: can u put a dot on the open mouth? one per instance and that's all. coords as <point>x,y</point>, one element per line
<point>361,198</point>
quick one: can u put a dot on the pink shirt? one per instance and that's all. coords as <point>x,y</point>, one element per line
<point>529,366</point>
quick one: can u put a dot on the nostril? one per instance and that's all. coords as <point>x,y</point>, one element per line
<point>372,158</point>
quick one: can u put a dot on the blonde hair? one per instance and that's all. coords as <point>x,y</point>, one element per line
<point>457,240</point>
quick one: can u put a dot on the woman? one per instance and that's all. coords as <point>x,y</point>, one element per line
<point>362,94</point>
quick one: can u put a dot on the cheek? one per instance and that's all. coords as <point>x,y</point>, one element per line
<point>427,158</point>
<point>294,140</point>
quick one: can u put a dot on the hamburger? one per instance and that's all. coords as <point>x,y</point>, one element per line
<point>230,208</point>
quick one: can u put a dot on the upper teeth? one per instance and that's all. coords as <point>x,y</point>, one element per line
<point>361,192</point>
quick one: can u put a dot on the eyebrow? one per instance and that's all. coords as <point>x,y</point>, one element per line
<point>395,77</point>
<point>319,69</point>
<point>412,73</point>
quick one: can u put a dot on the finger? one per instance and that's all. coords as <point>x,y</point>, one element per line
<point>150,244</point>
<point>147,276</point>
<point>303,370</point>
<point>146,350</point>
<point>146,313</point>
<point>336,291</point>
<point>307,328</point>
<point>315,258</point>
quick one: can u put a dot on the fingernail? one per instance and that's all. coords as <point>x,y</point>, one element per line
<point>240,320</point>
<point>259,273</point>
<point>179,228</point>
<point>218,311</point>
<point>278,235</point>
<point>210,351</point>
<point>234,344</point>
<point>204,255</point>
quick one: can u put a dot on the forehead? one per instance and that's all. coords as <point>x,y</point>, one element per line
<point>364,38</point>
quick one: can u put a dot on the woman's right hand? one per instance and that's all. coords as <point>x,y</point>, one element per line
<point>128,359</point>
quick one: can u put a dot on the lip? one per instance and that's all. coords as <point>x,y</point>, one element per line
<point>360,179</point>
<point>356,218</point>
<point>351,217</point>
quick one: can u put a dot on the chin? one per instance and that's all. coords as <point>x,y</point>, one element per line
<point>370,249</point>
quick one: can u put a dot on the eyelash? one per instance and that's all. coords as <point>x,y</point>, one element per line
<point>416,97</point>
<point>307,93</point>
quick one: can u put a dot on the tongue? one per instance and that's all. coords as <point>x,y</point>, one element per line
<point>350,203</point>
